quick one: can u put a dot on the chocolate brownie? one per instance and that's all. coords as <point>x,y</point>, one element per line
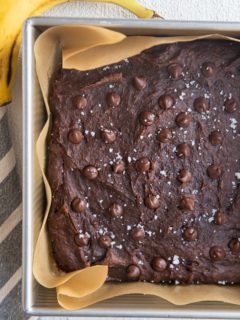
<point>144,165</point>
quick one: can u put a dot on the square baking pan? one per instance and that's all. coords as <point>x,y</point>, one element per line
<point>38,300</point>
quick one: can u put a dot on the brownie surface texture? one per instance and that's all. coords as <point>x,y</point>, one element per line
<point>143,161</point>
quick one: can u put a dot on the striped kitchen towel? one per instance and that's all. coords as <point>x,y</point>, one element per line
<point>10,228</point>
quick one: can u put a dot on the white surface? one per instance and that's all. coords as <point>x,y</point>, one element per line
<point>216,10</point>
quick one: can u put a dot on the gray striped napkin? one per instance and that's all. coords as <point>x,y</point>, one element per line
<point>10,228</point>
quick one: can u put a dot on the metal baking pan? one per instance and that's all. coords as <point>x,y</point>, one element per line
<point>41,301</point>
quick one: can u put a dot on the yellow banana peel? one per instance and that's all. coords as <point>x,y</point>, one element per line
<point>12,15</point>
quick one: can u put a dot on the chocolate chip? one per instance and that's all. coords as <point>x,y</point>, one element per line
<point>133,272</point>
<point>187,203</point>
<point>137,234</point>
<point>147,118</point>
<point>119,167</point>
<point>108,136</point>
<point>190,234</point>
<point>152,202</point>
<point>174,70</point>
<point>215,138</point>
<point>95,223</point>
<point>221,184</point>
<point>183,119</point>
<point>208,69</point>
<point>214,171</point>
<point>90,172</point>
<point>80,102</point>
<point>116,210</point>
<point>201,105</point>
<point>159,264</point>
<point>184,176</point>
<point>234,245</point>
<point>166,101</point>
<point>165,135</point>
<point>219,218</point>
<point>78,205</point>
<point>81,240</point>
<point>75,136</point>
<point>143,164</point>
<point>183,150</point>
<point>64,210</point>
<point>230,105</point>
<point>104,241</point>
<point>139,83</point>
<point>113,99</point>
<point>192,266</point>
<point>217,253</point>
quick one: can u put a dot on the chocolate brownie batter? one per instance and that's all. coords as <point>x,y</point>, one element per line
<point>144,165</point>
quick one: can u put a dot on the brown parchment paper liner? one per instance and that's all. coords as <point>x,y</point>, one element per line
<point>83,48</point>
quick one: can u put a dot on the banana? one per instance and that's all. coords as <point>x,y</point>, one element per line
<point>12,15</point>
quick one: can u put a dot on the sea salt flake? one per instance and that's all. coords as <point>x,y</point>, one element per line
<point>150,233</point>
<point>237,175</point>
<point>233,124</point>
<point>163,173</point>
<point>175,260</point>
<point>119,246</point>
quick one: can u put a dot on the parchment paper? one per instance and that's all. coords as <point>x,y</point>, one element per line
<point>83,48</point>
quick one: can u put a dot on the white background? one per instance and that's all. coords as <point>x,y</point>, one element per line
<point>215,10</point>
